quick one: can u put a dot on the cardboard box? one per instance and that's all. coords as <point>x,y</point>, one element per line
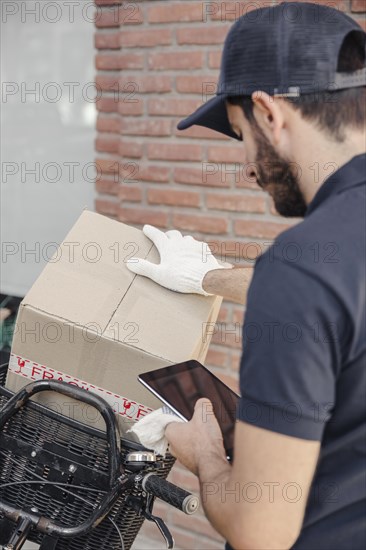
<point>89,321</point>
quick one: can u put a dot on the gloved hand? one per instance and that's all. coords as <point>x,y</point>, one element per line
<point>184,261</point>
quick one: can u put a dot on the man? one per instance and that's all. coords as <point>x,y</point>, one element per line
<point>292,87</point>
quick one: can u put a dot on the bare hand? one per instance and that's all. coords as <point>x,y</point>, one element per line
<point>196,440</point>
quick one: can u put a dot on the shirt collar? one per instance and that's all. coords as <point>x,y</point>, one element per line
<point>349,175</point>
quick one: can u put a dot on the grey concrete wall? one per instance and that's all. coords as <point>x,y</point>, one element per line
<point>47,130</point>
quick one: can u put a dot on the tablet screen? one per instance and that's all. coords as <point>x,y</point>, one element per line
<point>179,386</point>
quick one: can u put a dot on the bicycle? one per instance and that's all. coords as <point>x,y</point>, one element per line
<point>67,486</point>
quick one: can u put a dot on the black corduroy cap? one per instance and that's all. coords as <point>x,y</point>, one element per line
<point>286,51</point>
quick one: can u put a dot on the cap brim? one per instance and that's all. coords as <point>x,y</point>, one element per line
<point>211,114</point>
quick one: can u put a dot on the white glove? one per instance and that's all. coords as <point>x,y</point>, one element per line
<point>150,430</point>
<point>184,261</point>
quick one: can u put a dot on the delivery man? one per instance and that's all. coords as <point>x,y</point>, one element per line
<point>293,88</point>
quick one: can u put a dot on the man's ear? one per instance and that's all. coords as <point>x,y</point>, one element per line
<point>269,115</point>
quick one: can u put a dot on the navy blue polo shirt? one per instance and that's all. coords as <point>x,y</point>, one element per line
<point>303,369</point>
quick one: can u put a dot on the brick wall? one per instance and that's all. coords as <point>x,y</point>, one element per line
<point>156,62</point>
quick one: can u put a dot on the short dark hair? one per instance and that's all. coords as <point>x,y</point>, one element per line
<point>330,111</point>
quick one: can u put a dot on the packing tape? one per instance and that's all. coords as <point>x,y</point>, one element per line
<point>35,371</point>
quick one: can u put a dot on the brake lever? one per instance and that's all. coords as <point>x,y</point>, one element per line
<point>161,526</point>
<point>136,504</point>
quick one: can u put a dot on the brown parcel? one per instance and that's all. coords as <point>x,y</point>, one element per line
<point>89,321</point>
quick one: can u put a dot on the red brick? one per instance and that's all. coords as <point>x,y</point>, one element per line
<point>172,106</point>
<point>358,5</point>
<point>109,62</point>
<point>199,132</point>
<point>196,176</point>
<point>216,358</point>
<point>107,18</point>
<point>202,35</point>
<point>250,252</point>
<point>107,144</point>
<point>158,174</point>
<point>214,59</point>
<point>258,229</point>
<point>225,172</point>
<point>106,105</point>
<point>141,216</point>
<point>229,154</point>
<point>204,85</point>
<point>191,11</point>
<point>129,194</point>
<point>228,11</point>
<point>106,83</point>
<point>173,198</point>
<point>134,107</point>
<point>238,315</point>
<point>107,2</point>
<point>341,5</point>
<point>130,149</point>
<point>145,84</point>
<point>128,172</point>
<point>227,334</point>
<point>146,38</point>
<point>206,224</point>
<point>115,16</point>
<point>175,60</point>
<point>223,314</point>
<point>107,40</point>
<point>107,186</point>
<point>108,124</point>
<point>106,207</point>
<point>362,23</point>
<point>107,166</point>
<point>131,85</point>
<point>145,127</point>
<point>235,360</point>
<point>236,203</point>
<point>174,151</point>
<point>130,14</point>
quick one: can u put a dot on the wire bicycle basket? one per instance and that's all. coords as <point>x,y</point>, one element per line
<point>68,486</point>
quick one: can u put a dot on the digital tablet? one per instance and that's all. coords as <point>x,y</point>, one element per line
<point>179,386</point>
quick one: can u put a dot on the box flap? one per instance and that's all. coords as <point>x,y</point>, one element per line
<point>156,320</point>
<point>86,280</point>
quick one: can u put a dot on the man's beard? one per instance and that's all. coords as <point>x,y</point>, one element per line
<point>278,176</point>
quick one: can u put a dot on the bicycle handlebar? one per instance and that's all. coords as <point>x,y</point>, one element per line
<point>170,493</point>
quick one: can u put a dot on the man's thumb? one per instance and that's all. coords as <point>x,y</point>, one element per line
<point>203,408</point>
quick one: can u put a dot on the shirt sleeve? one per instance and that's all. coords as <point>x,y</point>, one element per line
<point>291,351</point>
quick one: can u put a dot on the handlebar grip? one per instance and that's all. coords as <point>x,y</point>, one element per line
<point>170,493</point>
